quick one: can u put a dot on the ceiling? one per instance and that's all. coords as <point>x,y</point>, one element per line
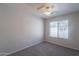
<point>59,8</point>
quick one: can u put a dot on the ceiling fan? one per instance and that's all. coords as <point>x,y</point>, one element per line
<point>46,9</point>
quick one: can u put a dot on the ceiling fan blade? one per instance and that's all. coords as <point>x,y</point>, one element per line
<point>41,7</point>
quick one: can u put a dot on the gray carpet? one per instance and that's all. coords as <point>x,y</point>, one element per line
<point>46,49</point>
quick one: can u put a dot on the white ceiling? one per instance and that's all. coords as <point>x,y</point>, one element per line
<point>59,9</point>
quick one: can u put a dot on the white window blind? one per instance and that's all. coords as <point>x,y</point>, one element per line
<point>59,29</point>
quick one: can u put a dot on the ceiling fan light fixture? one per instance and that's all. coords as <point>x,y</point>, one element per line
<point>46,9</point>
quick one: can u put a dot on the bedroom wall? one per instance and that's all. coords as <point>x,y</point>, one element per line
<point>19,28</point>
<point>73,40</point>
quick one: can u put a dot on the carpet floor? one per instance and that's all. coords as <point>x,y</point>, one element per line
<point>46,49</point>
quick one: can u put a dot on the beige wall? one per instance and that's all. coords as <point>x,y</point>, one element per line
<point>19,28</point>
<point>73,41</point>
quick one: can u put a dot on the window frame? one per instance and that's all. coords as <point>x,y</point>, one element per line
<point>58,35</point>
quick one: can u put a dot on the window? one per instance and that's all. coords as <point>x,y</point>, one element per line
<point>59,29</point>
<point>53,29</point>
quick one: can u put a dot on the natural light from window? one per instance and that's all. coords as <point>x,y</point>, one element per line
<point>59,29</point>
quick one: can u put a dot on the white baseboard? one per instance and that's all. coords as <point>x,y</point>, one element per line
<point>63,45</point>
<point>6,54</point>
<point>3,54</point>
